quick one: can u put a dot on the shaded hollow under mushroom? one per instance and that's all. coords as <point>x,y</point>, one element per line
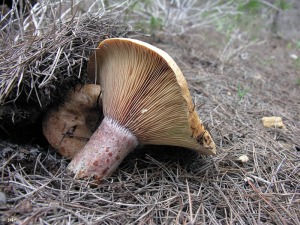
<point>145,101</point>
<point>69,126</point>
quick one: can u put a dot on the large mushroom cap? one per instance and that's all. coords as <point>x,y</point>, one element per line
<point>144,90</point>
<point>69,127</point>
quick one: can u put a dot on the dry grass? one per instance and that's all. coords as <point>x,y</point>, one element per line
<point>180,16</point>
<point>167,185</point>
<point>46,52</point>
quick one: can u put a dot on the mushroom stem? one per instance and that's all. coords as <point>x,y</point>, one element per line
<point>105,150</point>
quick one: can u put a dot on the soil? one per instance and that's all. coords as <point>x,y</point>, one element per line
<point>165,185</point>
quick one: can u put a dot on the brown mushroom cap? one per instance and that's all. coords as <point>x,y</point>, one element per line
<point>144,91</point>
<point>69,127</point>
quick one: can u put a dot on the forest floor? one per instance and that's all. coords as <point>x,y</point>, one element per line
<point>234,83</point>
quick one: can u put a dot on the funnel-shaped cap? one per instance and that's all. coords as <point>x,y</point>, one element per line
<point>144,91</point>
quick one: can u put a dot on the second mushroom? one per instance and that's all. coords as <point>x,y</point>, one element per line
<point>145,100</point>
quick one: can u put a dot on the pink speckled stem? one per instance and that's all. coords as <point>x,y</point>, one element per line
<point>106,149</point>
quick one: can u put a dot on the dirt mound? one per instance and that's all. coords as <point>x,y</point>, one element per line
<point>38,66</point>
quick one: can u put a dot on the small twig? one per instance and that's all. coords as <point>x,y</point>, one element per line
<point>190,202</point>
<point>267,201</point>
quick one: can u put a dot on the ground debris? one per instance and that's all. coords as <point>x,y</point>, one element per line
<point>273,122</point>
<point>243,158</point>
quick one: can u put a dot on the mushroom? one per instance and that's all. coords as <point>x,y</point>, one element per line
<point>69,127</point>
<point>145,100</point>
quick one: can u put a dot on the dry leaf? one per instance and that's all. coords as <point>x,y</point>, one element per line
<point>273,121</point>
